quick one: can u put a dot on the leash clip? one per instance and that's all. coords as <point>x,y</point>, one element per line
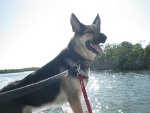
<point>78,69</point>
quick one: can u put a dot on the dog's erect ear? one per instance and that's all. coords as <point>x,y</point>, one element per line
<point>97,21</point>
<point>75,23</point>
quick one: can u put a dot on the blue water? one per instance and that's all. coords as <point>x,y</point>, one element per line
<point>108,91</point>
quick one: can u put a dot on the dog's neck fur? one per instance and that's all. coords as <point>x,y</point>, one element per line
<point>77,58</point>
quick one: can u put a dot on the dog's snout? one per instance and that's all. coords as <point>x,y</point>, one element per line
<point>102,38</point>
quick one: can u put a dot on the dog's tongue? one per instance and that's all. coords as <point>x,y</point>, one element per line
<point>98,48</point>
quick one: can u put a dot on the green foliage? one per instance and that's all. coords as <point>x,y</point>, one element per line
<point>123,56</point>
<point>147,54</point>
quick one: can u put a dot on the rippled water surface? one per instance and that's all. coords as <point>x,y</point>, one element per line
<point>108,91</point>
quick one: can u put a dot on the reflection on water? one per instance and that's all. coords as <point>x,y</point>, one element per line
<point>120,92</point>
<point>108,91</point>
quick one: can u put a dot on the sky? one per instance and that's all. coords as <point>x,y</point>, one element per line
<point>33,32</point>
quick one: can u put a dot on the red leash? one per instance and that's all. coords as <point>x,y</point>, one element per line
<point>84,93</point>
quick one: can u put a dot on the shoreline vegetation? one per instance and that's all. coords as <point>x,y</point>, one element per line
<point>122,56</point>
<point>18,70</point>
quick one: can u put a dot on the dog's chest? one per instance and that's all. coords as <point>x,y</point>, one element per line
<point>71,86</point>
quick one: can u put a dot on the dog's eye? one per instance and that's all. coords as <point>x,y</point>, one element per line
<point>89,31</point>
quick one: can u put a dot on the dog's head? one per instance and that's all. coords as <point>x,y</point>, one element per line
<point>87,38</point>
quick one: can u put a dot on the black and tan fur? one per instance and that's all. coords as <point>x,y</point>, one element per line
<point>83,48</point>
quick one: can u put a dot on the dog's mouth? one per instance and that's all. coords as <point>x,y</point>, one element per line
<point>94,45</point>
<point>95,48</point>
<point>98,48</point>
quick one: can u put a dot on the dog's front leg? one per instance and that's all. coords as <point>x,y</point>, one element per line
<point>76,105</point>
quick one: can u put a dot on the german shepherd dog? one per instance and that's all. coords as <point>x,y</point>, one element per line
<point>83,48</point>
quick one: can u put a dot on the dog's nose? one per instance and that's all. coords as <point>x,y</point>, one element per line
<point>103,38</point>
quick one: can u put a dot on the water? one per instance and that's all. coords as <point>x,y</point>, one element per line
<point>108,91</point>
